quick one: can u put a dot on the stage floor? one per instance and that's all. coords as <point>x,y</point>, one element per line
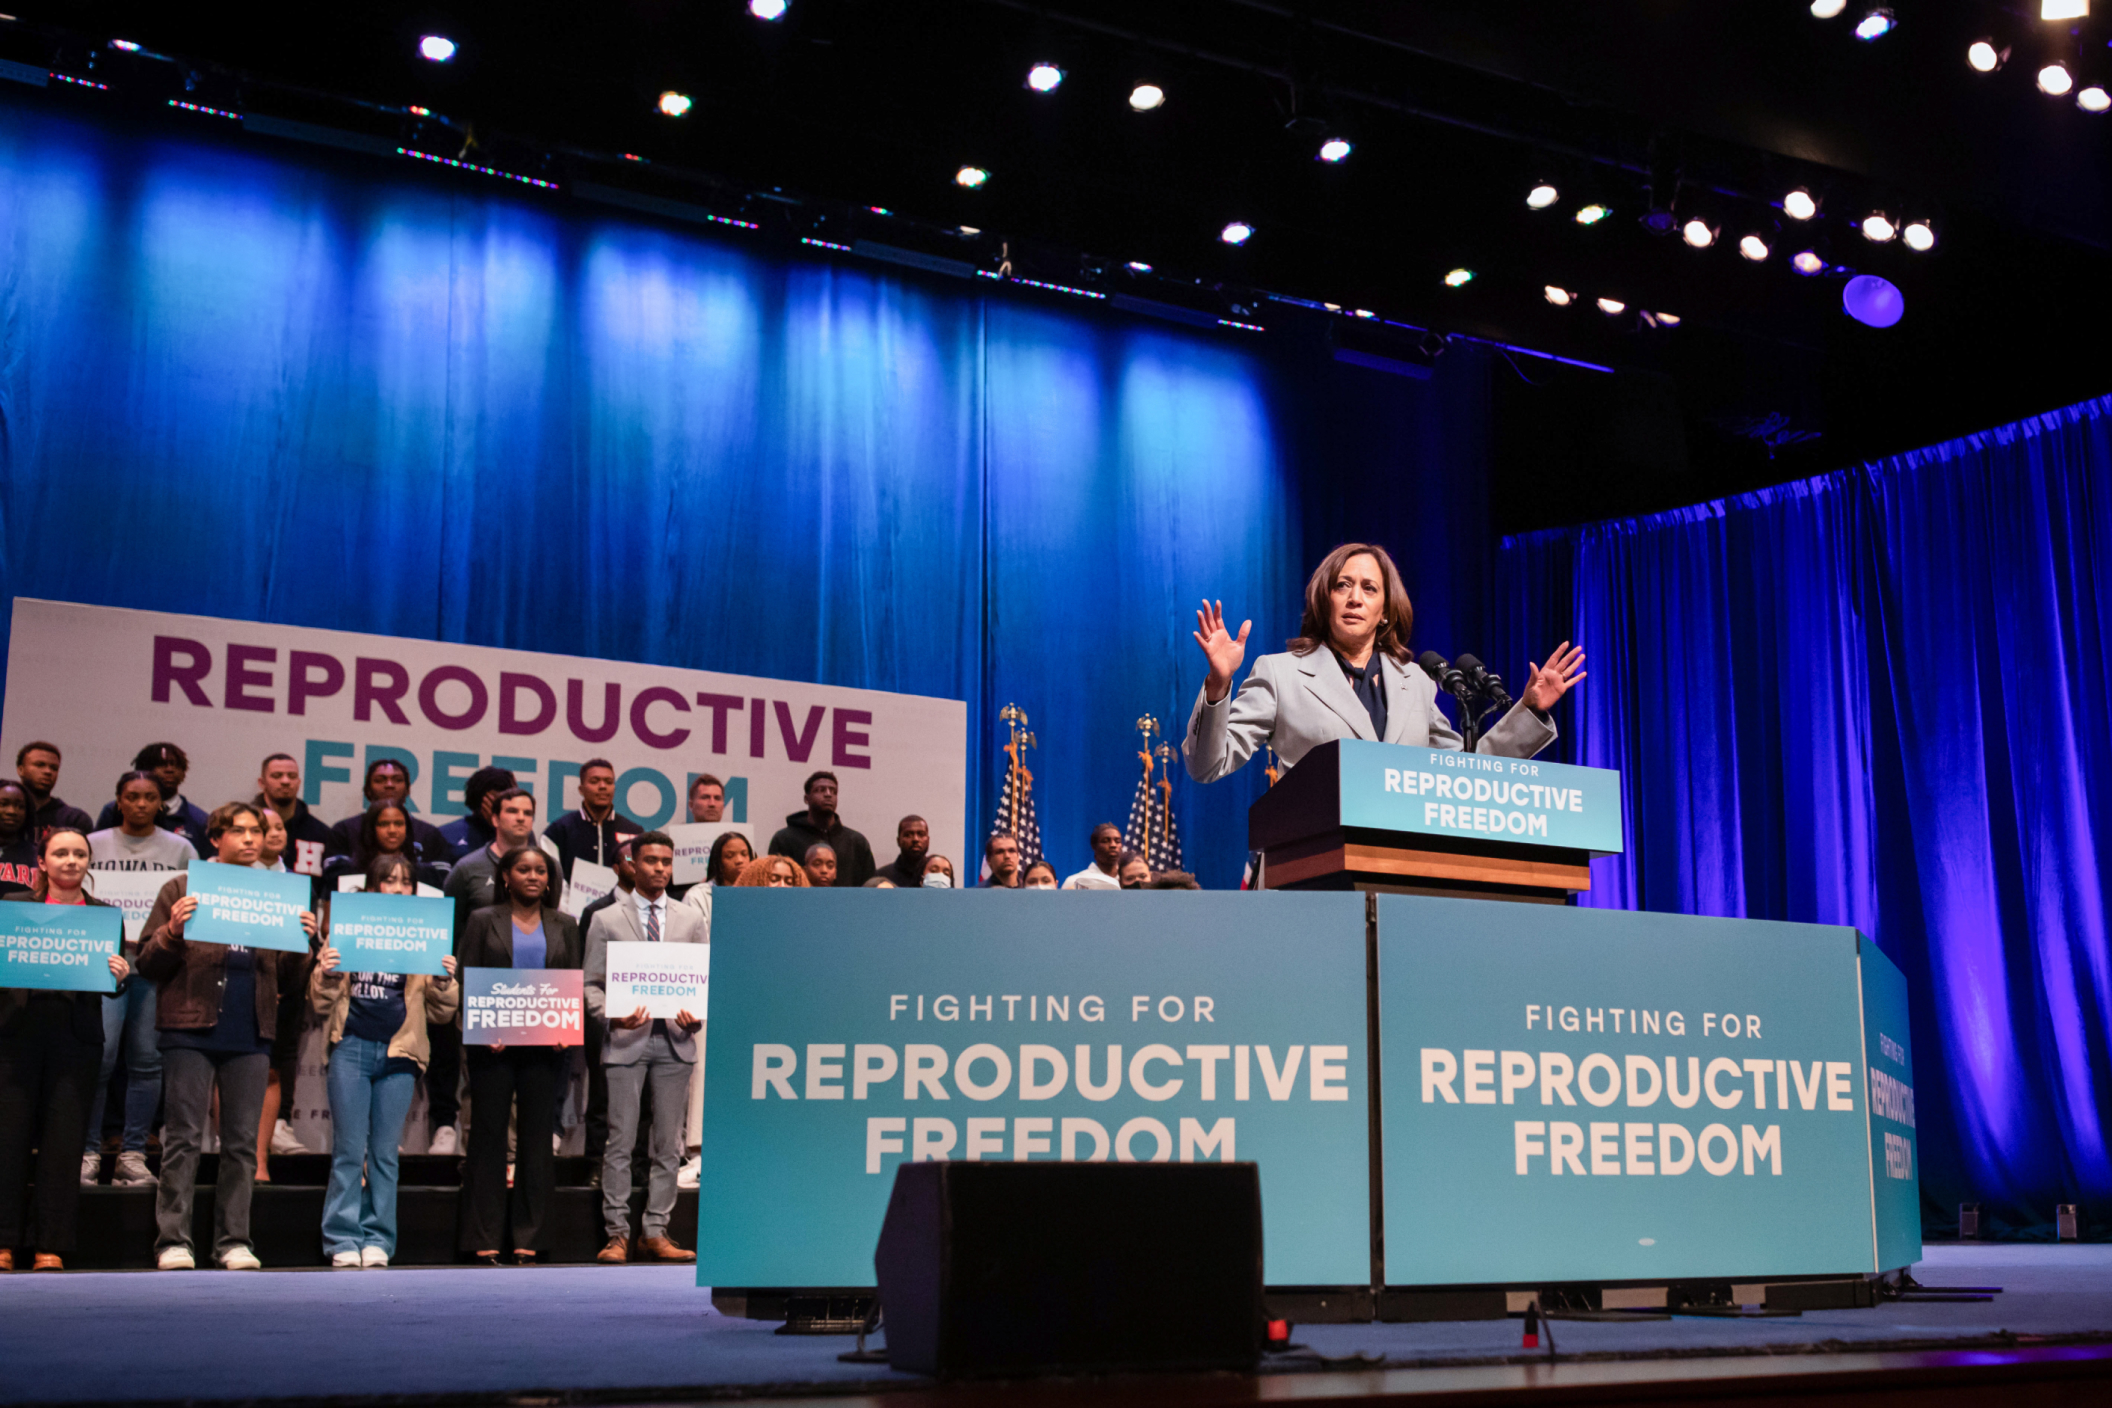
<point>210,1335</point>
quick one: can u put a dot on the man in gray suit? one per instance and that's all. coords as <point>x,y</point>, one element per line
<point>639,1050</point>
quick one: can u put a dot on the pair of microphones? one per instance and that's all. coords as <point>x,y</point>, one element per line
<point>1466,679</point>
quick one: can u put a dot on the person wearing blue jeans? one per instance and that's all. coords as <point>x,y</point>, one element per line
<point>376,1025</point>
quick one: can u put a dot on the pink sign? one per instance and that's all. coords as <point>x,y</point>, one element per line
<point>522,1007</point>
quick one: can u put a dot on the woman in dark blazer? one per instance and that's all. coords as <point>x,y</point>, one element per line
<point>525,929</point>
<point>51,1046</point>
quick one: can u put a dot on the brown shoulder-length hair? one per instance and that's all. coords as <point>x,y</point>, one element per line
<point>757,872</point>
<point>1396,622</point>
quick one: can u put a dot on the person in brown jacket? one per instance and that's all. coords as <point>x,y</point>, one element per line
<point>376,1025</point>
<point>217,1010</point>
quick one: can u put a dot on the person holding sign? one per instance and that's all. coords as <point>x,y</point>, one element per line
<point>1346,675</point>
<point>376,1024</point>
<point>525,929</point>
<point>217,1007</point>
<point>641,1048</point>
<point>51,1044</point>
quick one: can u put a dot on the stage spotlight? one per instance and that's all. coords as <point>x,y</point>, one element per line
<point>1541,197</point>
<point>127,45</point>
<point>436,47</point>
<point>1560,297</point>
<point>1592,214</point>
<point>1139,266</point>
<point>1799,205</point>
<point>1807,263</point>
<point>1611,306</point>
<point>1238,232</point>
<point>1044,78</point>
<point>1697,233</point>
<point>970,177</point>
<point>1753,248</point>
<point>1335,149</point>
<point>675,104</point>
<point>2055,80</point>
<point>1875,25</point>
<point>1459,278</point>
<point>767,9</point>
<point>2064,9</point>
<point>1877,229</point>
<point>1983,55</point>
<point>1827,9</point>
<point>2093,99</point>
<point>1918,236</point>
<point>1146,96</point>
<point>1872,301</point>
<point>1670,320</point>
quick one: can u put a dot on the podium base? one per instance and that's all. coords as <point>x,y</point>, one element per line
<point>1343,861</point>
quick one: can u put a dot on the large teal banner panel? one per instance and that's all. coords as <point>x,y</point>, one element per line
<point>850,1031</point>
<point>1895,1159</point>
<point>1594,1095</point>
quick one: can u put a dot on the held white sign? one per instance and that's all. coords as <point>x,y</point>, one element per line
<point>693,842</point>
<point>665,979</point>
<point>132,891</point>
<point>101,681</point>
<point>589,883</point>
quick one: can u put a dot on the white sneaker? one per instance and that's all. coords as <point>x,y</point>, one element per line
<point>557,1143</point>
<point>132,1171</point>
<point>691,1173</point>
<point>345,1261</point>
<point>91,1169</point>
<point>175,1259</point>
<point>446,1142</point>
<point>284,1141</point>
<point>374,1258</point>
<point>241,1259</point>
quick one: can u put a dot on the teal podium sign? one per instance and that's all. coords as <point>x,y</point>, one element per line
<point>1446,792</point>
<point>1597,1095</point>
<point>852,1030</point>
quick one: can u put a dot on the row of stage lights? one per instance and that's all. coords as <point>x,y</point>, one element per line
<point>1985,55</point>
<point>1800,205</point>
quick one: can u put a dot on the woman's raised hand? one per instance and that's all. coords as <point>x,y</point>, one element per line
<point>1220,648</point>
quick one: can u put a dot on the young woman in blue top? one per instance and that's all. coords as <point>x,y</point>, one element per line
<point>525,929</point>
<point>376,1027</point>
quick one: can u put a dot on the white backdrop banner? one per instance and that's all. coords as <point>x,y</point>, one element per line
<point>100,682</point>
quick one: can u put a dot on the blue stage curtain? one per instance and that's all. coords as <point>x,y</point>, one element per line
<point>1880,698</point>
<point>259,380</point>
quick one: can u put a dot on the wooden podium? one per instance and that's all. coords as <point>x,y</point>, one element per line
<point>1314,828</point>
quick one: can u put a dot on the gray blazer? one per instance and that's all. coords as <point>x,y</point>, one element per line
<point>1296,703</point>
<point>619,924</point>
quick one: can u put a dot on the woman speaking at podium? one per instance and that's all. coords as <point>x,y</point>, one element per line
<point>1347,675</point>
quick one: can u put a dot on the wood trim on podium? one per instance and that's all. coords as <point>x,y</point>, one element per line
<point>1332,856</point>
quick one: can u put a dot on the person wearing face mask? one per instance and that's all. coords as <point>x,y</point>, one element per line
<point>938,873</point>
<point>388,780</point>
<point>217,1008</point>
<point>1346,675</point>
<point>18,840</point>
<point>51,1044</point>
<point>170,765</point>
<point>1133,871</point>
<point>1038,876</point>
<point>774,873</point>
<point>376,1023</point>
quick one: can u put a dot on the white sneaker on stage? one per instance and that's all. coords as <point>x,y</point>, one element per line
<point>374,1258</point>
<point>175,1259</point>
<point>345,1261</point>
<point>446,1143</point>
<point>132,1171</point>
<point>284,1141</point>
<point>691,1172</point>
<point>91,1169</point>
<point>557,1143</point>
<point>240,1259</point>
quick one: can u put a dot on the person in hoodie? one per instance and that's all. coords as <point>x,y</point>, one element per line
<point>310,843</point>
<point>471,832</point>
<point>388,780</point>
<point>37,764</point>
<point>913,844</point>
<point>820,825</point>
<point>170,765</point>
<point>591,833</point>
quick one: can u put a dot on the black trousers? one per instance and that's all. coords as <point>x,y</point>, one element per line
<point>47,1078</point>
<point>443,1075</point>
<point>525,1080</point>
<point>597,1095</point>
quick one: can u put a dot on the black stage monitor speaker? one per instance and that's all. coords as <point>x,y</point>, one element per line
<point>993,1269</point>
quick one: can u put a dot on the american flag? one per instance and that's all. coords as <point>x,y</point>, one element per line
<point>1020,820</point>
<point>1153,833</point>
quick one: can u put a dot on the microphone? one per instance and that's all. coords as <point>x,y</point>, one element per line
<point>1448,679</point>
<point>1484,680</point>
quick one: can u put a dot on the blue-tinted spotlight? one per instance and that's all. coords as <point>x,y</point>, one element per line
<point>1873,302</point>
<point>436,47</point>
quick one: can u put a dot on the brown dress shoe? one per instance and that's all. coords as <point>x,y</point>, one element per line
<point>47,1261</point>
<point>661,1249</point>
<point>7,1259</point>
<point>616,1253</point>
